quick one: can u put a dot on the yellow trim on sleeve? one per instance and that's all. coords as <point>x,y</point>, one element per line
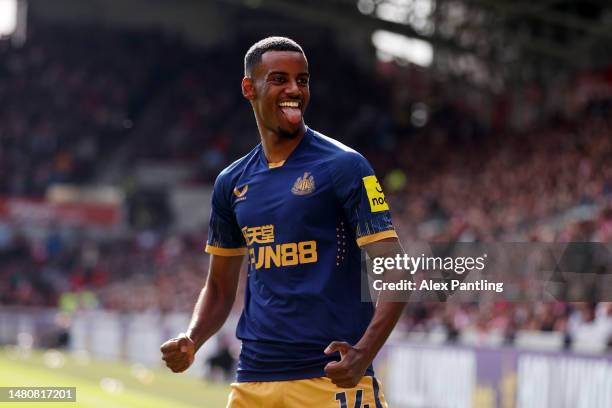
<point>367,239</point>
<point>225,251</point>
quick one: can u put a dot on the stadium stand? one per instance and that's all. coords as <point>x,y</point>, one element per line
<point>73,106</point>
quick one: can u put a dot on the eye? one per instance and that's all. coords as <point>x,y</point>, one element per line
<point>278,79</point>
<point>303,81</point>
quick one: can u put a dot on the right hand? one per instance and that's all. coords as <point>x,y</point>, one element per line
<point>178,353</point>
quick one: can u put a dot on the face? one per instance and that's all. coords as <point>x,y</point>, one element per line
<point>279,93</point>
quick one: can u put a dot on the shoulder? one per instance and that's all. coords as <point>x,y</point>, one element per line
<point>228,177</point>
<point>339,156</point>
<point>345,166</point>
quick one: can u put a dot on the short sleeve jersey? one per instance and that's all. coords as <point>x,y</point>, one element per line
<point>301,223</point>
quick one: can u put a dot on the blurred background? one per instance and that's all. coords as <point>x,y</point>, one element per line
<point>486,121</point>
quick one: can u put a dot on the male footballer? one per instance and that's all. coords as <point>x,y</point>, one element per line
<point>299,206</point>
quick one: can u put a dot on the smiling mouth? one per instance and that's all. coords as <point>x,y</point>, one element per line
<point>291,110</point>
<point>290,104</point>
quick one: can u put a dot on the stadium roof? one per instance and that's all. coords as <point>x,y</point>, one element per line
<point>507,39</point>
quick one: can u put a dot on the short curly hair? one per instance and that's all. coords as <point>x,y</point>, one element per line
<point>253,55</point>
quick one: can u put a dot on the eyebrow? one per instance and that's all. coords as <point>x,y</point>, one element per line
<point>285,73</point>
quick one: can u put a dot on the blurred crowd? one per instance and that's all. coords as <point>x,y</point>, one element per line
<point>509,186</point>
<point>454,169</point>
<point>499,322</point>
<point>70,95</point>
<point>143,273</point>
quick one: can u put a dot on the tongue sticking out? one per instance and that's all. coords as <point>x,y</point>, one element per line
<point>293,115</point>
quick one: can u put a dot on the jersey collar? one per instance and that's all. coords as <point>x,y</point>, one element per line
<point>305,141</point>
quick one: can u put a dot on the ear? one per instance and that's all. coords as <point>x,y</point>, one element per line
<point>248,88</point>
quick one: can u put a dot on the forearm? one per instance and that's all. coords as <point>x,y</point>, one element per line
<point>355,359</point>
<point>389,306</point>
<point>209,314</point>
<point>384,320</point>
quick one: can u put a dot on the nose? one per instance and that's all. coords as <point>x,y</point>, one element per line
<point>292,88</point>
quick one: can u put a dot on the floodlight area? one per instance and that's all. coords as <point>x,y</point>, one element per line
<point>393,45</point>
<point>415,13</point>
<point>8,17</point>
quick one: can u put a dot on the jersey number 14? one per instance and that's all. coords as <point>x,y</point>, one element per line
<point>343,400</point>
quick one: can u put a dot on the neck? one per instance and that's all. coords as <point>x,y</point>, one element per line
<point>276,147</point>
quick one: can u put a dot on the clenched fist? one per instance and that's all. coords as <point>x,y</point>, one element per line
<point>347,372</point>
<point>178,353</point>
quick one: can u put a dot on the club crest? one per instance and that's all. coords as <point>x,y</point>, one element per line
<point>303,185</point>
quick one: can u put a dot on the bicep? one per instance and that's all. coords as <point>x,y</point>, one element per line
<point>387,247</point>
<point>224,274</point>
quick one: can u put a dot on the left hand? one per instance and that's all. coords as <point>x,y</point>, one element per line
<point>353,363</point>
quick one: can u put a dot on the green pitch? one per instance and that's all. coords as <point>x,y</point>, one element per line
<point>105,384</point>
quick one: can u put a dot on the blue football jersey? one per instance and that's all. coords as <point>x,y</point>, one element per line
<point>301,223</point>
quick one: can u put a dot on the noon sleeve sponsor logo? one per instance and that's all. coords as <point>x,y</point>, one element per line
<point>375,194</point>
